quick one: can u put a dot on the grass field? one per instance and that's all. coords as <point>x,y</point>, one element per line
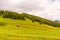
<point>26,30</point>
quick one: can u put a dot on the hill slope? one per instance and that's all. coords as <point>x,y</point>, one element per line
<point>15,26</point>
<point>27,30</point>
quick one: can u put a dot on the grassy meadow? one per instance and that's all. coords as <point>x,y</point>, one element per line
<point>27,30</point>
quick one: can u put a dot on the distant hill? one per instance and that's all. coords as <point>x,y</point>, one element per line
<point>23,16</point>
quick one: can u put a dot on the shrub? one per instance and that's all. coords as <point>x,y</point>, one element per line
<point>1,12</point>
<point>13,15</point>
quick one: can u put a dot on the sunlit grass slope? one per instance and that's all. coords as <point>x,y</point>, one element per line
<point>27,30</point>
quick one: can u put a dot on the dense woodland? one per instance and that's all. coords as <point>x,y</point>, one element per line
<point>22,16</point>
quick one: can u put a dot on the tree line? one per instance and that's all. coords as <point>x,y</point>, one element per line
<point>22,16</point>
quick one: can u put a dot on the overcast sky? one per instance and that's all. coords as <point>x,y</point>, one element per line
<point>49,9</point>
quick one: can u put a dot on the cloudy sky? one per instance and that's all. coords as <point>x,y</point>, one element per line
<point>49,9</point>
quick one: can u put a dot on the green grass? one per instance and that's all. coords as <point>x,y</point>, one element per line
<point>27,30</point>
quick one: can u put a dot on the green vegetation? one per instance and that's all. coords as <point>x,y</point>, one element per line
<point>15,26</point>
<point>13,15</point>
<point>27,30</point>
<point>1,12</point>
<point>22,16</point>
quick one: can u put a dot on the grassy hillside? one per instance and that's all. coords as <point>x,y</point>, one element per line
<point>27,30</point>
<point>16,28</point>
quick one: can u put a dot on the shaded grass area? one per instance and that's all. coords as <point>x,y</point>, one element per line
<point>27,30</point>
<point>2,23</point>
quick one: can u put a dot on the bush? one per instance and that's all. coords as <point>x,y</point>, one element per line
<point>13,15</point>
<point>1,12</point>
